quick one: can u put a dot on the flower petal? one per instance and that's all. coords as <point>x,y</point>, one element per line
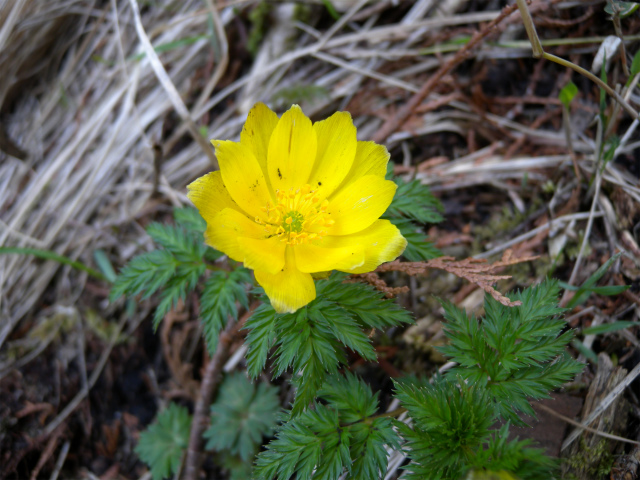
<point>358,205</point>
<point>224,229</point>
<point>210,196</point>
<point>292,150</point>
<point>263,254</point>
<point>381,242</point>
<point>370,159</point>
<point>257,131</point>
<point>336,151</point>
<point>242,176</point>
<point>290,289</point>
<point>313,258</point>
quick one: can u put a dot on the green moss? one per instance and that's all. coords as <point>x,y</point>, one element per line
<point>595,461</point>
<point>258,17</point>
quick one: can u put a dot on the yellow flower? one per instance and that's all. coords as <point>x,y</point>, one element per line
<point>294,199</point>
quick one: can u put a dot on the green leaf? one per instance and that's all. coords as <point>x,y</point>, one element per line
<point>311,340</point>
<point>621,9</point>
<point>363,302</point>
<point>104,264</point>
<point>451,421</point>
<point>611,145</point>
<point>327,440</point>
<point>162,444</point>
<point>178,241</point>
<point>331,9</point>
<point>350,396</point>
<point>241,416</point>
<point>609,327</point>
<point>635,64</point>
<point>585,290</point>
<point>568,93</point>
<point>218,302</point>
<point>451,433</point>
<point>584,350</point>
<point>147,272</point>
<point>515,353</point>
<point>190,219</point>
<point>166,47</point>
<point>261,326</point>
<point>184,280</point>
<point>603,93</point>
<point>418,248</point>
<point>415,201</point>
<point>49,255</point>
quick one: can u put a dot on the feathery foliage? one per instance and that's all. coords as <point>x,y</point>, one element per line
<point>175,269</point>
<point>515,353</point>
<point>218,301</point>
<point>418,248</point>
<point>510,356</point>
<point>323,442</point>
<point>162,444</point>
<point>311,341</point>
<point>241,416</point>
<point>414,205</point>
<point>415,201</point>
<point>451,433</point>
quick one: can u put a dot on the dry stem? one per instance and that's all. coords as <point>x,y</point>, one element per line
<point>396,121</point>
<point>210,381</point>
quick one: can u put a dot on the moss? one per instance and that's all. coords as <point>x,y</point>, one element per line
<point>595,461</point>
<point>258,17</point>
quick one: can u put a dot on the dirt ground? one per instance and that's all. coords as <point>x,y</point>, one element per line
<point>97,141</point>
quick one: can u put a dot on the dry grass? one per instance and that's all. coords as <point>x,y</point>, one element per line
<point>84,101</point>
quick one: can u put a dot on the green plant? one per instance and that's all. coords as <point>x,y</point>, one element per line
<point>241,416</point>
<point>163,443</point>
<point>511,356</point>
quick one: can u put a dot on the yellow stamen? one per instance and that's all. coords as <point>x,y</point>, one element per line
<point>299,216</point>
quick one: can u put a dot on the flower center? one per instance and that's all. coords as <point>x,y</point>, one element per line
<point>298,217</point>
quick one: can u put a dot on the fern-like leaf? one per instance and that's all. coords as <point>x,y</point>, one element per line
<point>415,201</point>
<point>418,248</point>
<point>324,442</point>
<point>311,340</point>
<point>516,353</point>
<point>147,272</point>
<point>218,301</point>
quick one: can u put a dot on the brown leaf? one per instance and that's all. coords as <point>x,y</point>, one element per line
<point>476,271</point>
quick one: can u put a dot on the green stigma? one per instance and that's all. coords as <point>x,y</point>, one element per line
<point>292,222</point>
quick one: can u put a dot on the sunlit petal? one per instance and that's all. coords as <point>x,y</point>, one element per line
<point>381,242</point>
<point>290,289</point>
<point>257,131</point>
<point>355,208</point>
<point>242,176</point>
<point>210,196</point>
<point>223,231</point>
<point>292,151</point>
<point>263,254</point>
<point>336,152</point>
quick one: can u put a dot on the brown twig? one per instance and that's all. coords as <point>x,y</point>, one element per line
<point>397,120</point>
<point>52,443</point>
<point>373,279</point>
<point>476,271</point>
